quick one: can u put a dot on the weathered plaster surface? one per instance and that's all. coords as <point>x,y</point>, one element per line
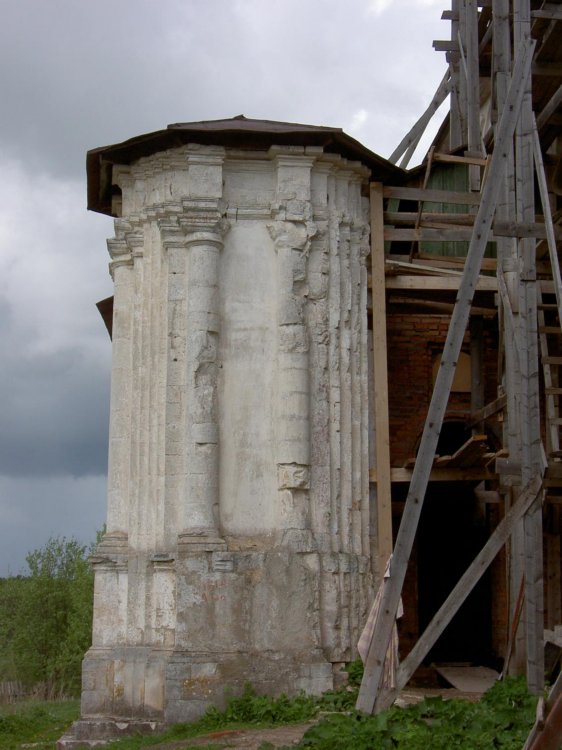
<point>237,543</point>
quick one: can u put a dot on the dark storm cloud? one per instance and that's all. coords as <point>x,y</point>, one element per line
<point>54,413</point>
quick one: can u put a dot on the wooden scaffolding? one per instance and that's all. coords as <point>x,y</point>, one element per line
<point>504,81</point>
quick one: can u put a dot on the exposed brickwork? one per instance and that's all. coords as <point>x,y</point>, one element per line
<point>414,342</point>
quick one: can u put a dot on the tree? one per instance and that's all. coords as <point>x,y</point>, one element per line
<point>47,617</point>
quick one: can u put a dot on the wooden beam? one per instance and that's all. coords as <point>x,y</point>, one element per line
<point>445,45</point>
<point>439,283</point>
<point>480,161</point>
<point>552,13</point>
<point>473,90</point>
<point>547,69</point>
<point>463,234</point>
<point>402,475</point>
<point>439,307</point>
<point>411,139</point>
<point>380,376</point>
<point>467,582</point>
<point>549,109</point>
<point>553,588</point>
<point>369,690</point>
<point>488,411</point>
<point>434,196</point>
<point>529,403</point>
<point>477,384</point>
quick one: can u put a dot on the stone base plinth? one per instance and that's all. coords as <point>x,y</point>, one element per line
<point>98,732</point>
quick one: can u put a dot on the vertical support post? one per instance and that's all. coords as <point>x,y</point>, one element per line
<point>473,89</point>
<point>530,408</point>
<point>382,633</point>
<point>380,371</point>
<point>507,274</point>
<point>453,58</point>
<point>476,368</point>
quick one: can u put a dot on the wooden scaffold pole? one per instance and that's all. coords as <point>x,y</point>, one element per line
<point>369,691</point>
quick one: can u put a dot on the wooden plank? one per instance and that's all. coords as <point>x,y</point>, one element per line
<point>445,45</point>
<point>402,475</point>
<point>549,109</point>
<point>469,452</point>
<point>467,582</point>
<point>554,13</point>
<point>458,222</point>
<point>550,330</point>
<point>434,196</point>
<point>462,234</point>
<point>534,230</point>
<point>530,435</point>
<point>490,497</point>
<point>411,139</point>
<point>545,733</point>
<point>451,234</point>
<point>488,411</point>
<point>409,217</point>
<point>480,161</point>
<point>439,283</point>
<point>552,69</point>
<point>402,265</point>
<point>367,699</point>
<point>380,376</point>
<point>473,89</point>
<point>553,587</point>
<point>441,307</point>
<point>549,225</point>
<point>488,264</point>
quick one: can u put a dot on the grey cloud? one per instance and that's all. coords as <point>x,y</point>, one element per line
<point>80,75</point>
<point>54,411</point>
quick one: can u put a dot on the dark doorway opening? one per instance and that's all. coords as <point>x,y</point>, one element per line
<point>452,530</point>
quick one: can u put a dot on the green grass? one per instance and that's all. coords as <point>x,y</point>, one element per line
<point>36,723</point>
<point>502,719</point>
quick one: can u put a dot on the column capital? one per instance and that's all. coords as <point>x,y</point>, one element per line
<point>293,235</point>
<point>203,227</point>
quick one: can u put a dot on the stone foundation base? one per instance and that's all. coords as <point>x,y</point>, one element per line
<point>184,684</point>
<point>97,732</point>
<point>195,682</point>
<point>279,619</point>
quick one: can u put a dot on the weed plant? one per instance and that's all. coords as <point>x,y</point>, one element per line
<point>502,719</point>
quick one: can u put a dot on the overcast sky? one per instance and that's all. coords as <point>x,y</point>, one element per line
<point>75,75</point>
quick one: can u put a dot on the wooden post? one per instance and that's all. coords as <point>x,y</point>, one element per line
<point>531,453</point>
<point>380,376</point>
<point>473,89</point>
<point>420,477</point>
<point>410,141</point>
<point>477,399</point>
<point>467,582</point>
<point>509,323</point>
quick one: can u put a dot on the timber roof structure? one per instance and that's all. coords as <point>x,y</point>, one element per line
<point>237,132</point>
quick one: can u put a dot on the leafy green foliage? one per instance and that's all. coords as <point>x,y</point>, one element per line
<point>37,723</point>
<point>250,708</point>
<point>502,719</point>
<point>46,618</point>
<point>355,671</point>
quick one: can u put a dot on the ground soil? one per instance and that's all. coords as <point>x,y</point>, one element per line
<point>243,739</point>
